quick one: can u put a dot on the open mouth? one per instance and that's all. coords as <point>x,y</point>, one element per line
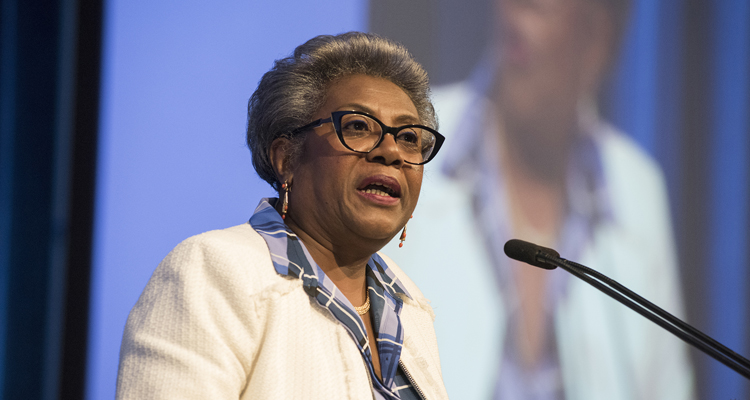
<point>379,190</point>
<point>380,186</point>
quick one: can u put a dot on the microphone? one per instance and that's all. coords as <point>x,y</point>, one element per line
<point>543,257</point>
<point>530,253</point>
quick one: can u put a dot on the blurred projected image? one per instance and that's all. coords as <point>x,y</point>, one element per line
<point>527,156</point>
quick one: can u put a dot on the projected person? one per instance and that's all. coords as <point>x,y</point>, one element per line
<point>531,159</point>
<point>298,303</point>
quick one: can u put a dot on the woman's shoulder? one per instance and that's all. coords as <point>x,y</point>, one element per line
<point>236,238</point>
<point>227,257</point>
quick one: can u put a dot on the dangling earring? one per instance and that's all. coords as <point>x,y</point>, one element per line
<point>285,205</point>
<point>403,234</point>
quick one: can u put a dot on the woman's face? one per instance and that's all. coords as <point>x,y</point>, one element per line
<point>548,61</point>
<point>332,193</point>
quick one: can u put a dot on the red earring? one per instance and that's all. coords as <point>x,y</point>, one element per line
<point>403,234</point>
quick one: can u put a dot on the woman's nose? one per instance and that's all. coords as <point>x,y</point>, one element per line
<point>387,151</point>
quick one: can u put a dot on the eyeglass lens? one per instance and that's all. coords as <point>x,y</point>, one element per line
<point>361,133</point>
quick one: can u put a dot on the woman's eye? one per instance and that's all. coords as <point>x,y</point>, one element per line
<point>408,136</point>
<point>357,125</point>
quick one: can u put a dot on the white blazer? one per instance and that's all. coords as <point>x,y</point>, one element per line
<point>217,322</point>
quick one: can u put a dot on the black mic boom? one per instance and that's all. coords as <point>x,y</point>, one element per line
<point>529,253</point>
<point>543,257</point>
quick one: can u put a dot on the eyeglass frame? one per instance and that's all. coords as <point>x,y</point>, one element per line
<point>336,117</point>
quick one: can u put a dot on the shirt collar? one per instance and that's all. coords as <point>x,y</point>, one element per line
<point>291,258</point>
<point>474,161</point>
<point>295,261</point>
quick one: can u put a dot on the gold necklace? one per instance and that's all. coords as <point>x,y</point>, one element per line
<point>363,309</point>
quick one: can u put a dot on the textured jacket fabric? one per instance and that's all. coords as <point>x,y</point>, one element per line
<point>217,322</point>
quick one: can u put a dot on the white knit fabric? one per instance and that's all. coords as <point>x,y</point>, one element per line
<point>217,322</point>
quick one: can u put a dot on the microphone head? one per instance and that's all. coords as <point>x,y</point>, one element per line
<point>529,253</point>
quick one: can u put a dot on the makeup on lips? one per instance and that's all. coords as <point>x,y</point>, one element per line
<point>381,189</point>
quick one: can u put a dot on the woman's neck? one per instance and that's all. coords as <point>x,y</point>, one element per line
<point>343,266</point>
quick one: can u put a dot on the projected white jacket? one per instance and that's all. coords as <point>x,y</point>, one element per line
<point>605,350</point>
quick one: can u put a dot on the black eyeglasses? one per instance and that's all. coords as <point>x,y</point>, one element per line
<point>362,133</point>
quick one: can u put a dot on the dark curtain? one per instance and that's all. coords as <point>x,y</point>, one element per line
<point>49,95</point>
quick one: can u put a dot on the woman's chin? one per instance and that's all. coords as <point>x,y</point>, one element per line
<point>379,230</point>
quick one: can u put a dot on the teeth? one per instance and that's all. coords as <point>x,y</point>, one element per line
<point>376,191</point>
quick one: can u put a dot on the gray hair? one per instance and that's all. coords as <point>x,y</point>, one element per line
<point>293,90</point>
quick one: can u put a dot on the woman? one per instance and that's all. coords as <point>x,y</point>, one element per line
<point>297,303</point>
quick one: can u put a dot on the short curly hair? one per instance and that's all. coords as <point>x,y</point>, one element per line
<point>293,90</point>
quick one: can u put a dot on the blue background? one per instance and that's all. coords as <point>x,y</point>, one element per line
<point>173,163</point>
<point>175,80</point>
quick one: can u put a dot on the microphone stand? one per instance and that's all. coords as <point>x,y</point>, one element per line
<point>651,311</point>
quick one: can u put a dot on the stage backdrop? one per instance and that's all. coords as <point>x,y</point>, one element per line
<point>173,162</point>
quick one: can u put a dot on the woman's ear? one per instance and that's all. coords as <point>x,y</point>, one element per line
<point>281,156</point>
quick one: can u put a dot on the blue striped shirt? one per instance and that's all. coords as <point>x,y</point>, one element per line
<point>291,258</point>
